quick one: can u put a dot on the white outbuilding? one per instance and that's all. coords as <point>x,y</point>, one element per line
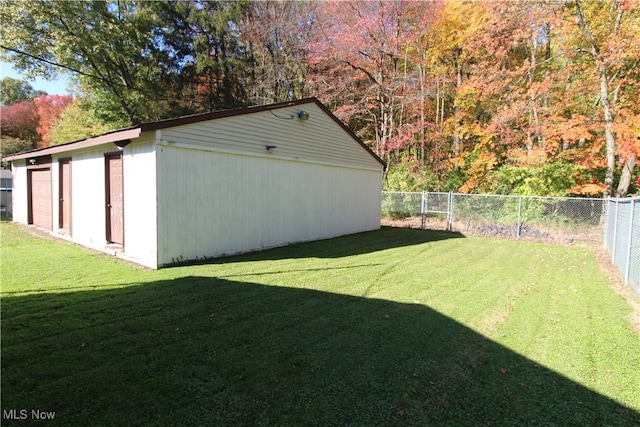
<point>204,186</point>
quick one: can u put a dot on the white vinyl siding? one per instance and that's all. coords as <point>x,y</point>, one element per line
<point>318,139</point>
<point>212,204</point>
<point>140,227</point>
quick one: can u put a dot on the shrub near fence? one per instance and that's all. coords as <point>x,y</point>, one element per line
<point>552,219</point>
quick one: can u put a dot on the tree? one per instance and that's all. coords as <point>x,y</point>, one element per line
<point>11,145</point>
<point>277,36</point>
<point>610,44</point>
<point>49,108</point>
<point>525,98</point>
<point>20,121</point>
<point>13,91</point>
<point>77,121</point>
<point>358,61</point>
<point>462,95</point>
<point>115,47</point>
<point>448,58</point>
<point>211,32</point>
<point>18,127</point>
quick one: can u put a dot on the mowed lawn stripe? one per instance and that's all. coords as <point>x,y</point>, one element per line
<point>393,327</point>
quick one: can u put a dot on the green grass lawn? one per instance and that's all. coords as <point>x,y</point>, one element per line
<point>393,327</point>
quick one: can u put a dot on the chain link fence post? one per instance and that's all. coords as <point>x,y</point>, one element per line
<point>614,237</point>
<point>423,210</point>
<point>450,211</point>
<point>519,217</point>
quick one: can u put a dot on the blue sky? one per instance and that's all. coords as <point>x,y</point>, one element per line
<point>55,87</point>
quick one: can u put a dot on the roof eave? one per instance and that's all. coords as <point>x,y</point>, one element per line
<point>120,135</point>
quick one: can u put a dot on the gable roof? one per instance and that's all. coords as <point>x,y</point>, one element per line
<point>135,131</point>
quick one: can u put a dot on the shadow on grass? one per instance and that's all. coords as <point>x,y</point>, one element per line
<point>203,351</point>
<point>339,247</point>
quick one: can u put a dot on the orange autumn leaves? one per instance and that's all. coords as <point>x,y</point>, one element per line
<point>476,87</point>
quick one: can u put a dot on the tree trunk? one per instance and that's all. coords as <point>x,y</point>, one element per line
<point>457,149</point>
<point>534,122</point>
<point>610,137</point>
<point>625,178</point>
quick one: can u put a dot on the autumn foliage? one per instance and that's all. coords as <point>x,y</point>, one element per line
<point>20,120</point>
<point>519,96</point>
<point>49,108</point>
<point>27,124</point>
<point>489,96</point>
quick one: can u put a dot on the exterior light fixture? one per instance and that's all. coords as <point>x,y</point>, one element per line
<point>122,144</point>
<point>303,115</point>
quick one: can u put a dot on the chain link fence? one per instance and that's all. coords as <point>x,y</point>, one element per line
<point>6,180</point>
<point>550,219</point>
<point>6,204</point>
<point>616,222</point>
<point>622,238</point>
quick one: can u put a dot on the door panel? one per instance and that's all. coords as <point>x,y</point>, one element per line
<point>115,199</point>
<point>40,203</point>
<point>65,194</point>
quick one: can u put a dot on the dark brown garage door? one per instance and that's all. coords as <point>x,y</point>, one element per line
<point>40,204</point>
